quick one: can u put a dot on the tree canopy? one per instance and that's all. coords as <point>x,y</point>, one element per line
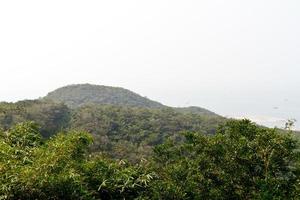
<point>241,161</point>
<point>119,131</point>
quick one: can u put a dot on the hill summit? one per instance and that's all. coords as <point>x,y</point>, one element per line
<point>78,95</point>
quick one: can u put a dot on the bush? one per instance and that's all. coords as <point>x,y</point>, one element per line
<point>242,161</point>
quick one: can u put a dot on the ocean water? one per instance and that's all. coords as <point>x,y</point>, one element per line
<point>271,117</point>
<point>263,111</point>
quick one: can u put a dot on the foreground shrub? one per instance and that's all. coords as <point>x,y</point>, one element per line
<point>60,168</point>
<point>242,161</point>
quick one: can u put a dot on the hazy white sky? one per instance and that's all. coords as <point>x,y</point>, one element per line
<point>234,57</point>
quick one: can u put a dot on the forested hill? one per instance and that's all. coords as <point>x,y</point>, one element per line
<point>79,95</point>
<point>120,131</point>
<point>51,151</point>
<point>122,123</point>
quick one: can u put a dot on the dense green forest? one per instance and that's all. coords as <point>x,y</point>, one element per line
<point>121,132</point>
<point>99,142</point>
<point>240,161</point>
<point>130,133</point>
<point>51,117</point>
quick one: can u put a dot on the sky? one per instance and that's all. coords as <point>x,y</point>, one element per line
<point>236,58</point>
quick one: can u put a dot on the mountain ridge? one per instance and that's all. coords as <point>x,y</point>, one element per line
<point>78,95</point>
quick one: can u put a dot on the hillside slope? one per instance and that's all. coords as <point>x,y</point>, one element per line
<point>118,131</point>
<point>123,123</point>
<point>128,132</point>
<point>51,117</point>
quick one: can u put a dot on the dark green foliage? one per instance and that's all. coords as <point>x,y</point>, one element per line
<point>60,168</point>
<point>31,169</point>
<point>192,158</point>
<point>117,180</point>
<point>123,124</point>
<point>51,117</point>
<point>122,132</point>
<point>23,135</point>
<point>242,161</point>
<point>126,132</point>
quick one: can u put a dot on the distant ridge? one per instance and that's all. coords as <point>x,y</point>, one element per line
<point>195,110</point>
<point>78,95</point>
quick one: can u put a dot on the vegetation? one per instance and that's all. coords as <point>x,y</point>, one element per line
<point>51,117</point>
<point>130,133</point>
<point>79,95</point>
<point>82,94</point>
<point>60,168</point>
<point>110,143</point>
<point>242,161</point>
<point>121,132</point>
<point>195,110</point>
